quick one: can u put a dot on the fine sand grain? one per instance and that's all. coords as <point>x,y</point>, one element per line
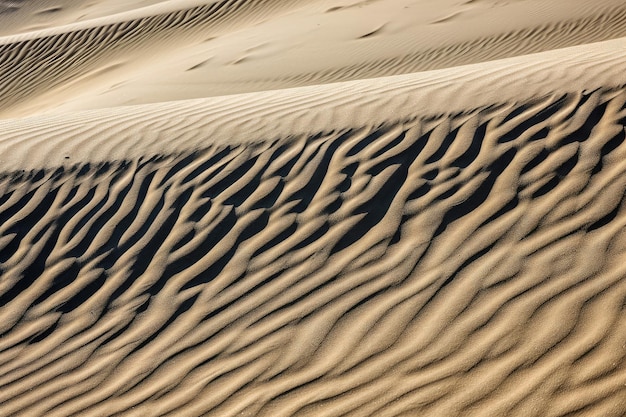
<point>212,208</point>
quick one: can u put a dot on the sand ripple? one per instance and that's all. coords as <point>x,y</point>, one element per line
<point>456,265</point>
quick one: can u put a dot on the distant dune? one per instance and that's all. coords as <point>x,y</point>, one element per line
<point>313,208</point>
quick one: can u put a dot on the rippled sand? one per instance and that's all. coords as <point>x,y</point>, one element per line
<point>312,208</point>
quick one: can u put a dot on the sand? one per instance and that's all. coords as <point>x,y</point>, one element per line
<point>312,208</point>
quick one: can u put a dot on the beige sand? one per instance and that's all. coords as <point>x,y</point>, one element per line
<point>219,209</point>
<point>109,53</point>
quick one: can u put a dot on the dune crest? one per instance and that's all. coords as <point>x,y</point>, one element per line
<point>133,131</point>
<point>178,50</point>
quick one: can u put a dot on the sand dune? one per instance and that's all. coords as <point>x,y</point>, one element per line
<point>438,243</point>
<point>379,271</point>
<point>178,126</point>
<point>180,50</point>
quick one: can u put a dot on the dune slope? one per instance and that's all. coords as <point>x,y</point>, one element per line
<point>115,54</point>
<point>466,264</point>
<point>439,243</point>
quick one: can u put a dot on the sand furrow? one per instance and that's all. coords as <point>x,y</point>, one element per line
<point>416,262</point>
<point>312,208</point>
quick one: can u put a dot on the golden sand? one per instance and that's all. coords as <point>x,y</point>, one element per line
<point>312,208</point>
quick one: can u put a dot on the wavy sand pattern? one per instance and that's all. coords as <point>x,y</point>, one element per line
<point>446,243</point>
<point>192,48</point>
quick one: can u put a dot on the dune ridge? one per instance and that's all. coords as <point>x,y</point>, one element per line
<point>111,59</point>
<point>588,29</point>
<point>133,131</point>
<point>72,53</point>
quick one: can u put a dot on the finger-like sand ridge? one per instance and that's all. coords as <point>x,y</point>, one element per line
<point>322,208</point>
<point>466,265</point>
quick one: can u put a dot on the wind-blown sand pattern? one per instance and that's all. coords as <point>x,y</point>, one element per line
<point>438,243</point>
<point>193,49</point>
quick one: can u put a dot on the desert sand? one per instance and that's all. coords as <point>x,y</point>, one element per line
<point>312,208</point>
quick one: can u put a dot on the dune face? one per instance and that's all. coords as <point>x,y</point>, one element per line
<point>384,232</point>
<point>465,265</point>
<point>110,53</point>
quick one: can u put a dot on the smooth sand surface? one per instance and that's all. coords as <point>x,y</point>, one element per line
<point>312,208</point>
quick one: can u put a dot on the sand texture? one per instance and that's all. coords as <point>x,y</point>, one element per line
<point>312,208</point>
